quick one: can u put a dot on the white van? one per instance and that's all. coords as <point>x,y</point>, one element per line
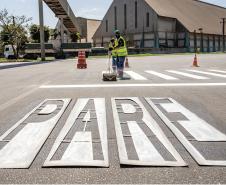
<point>8,52</point>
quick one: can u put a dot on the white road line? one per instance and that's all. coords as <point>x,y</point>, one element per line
<point>166,77</point>
<point>219,71</point>
<point>207,73</point>
<point>135,76</point>
<point>80,149</point>
<point>132,85</point>
<point>188,75</point>
<point>201,160</point>
<point>148,155</point>
<point>21,150</point>
<point>18,98</point>
<point>143,145</point>
<point>197,127</point>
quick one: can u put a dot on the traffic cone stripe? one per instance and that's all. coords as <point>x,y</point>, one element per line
<point>195,62</point>
<point>81,60</point>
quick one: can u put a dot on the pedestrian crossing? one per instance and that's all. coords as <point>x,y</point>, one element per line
<point>135,75</point>
<point>176,75</point>
<point>164,76</point>
<point>208,73</point>
<point>188,75</point>
<point>218,71</point>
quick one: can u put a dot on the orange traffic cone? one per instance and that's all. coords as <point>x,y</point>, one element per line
<point>81,60</point>
<point>195,62</point>
<point>127,63</point>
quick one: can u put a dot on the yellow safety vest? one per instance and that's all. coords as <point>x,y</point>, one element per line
<point>114,51</point>
<point>122,51</point>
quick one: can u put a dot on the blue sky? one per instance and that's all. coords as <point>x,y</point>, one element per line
<point>86,8</point>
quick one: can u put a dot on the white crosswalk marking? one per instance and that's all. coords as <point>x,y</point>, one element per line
<point>166,77</point>
<point>135,76</point>
<point>207,73</point>
<point>188,75</point>
<point>219,71</point>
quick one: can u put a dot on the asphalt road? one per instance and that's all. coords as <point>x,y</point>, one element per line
<point>23,88</point>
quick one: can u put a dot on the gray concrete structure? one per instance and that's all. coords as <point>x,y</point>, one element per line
<point>63,11</point>
<point>164,24</point>
<point>42,37</point>
<point>88,28</point>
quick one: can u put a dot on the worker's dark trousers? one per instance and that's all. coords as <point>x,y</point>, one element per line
<point>120,66</point>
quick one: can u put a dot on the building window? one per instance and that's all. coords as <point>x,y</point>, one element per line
<point>136,14</point>
<point>125,16</point>
<point>115,15</point>
<point>106,25</point>
<point>147,20</point>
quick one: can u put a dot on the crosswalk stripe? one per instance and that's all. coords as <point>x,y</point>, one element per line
<point>166,77</point>
<point>135,76</point>
<point>219,71</point>
<point>207,73</point>
<point>188,75</point>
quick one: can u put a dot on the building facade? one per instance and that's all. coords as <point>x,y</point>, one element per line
<point>179,24</point>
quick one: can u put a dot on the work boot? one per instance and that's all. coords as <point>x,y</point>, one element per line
<point>114,69</point>
<point>120,75</point>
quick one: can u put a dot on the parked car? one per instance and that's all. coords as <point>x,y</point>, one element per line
<point>8,52</point>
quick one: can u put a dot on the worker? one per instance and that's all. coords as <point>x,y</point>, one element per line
<point>112,52</point>
<point>122,53</point>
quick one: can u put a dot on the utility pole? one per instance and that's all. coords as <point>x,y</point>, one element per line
<point>42,36</point>
<point>61,30</point>
<point>223,32</point>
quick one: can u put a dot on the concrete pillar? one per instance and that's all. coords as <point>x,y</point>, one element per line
<point>219,43</point>
<point>166,39</point>
<point>42,36</point>
<point>201,42</point>
<point>62,30</point>
<point>223,31</point>
<point>208,43</point>
<point>187,41</point>
<point>195,41</point>
<point>214,44</point>
<point>156,39</point>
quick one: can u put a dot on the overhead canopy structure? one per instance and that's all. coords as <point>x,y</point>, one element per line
<point>62,9</point>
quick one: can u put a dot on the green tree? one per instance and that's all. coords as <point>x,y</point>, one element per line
<point>75,37</point>
<point>35,33</point>
<point>13,30</point>
<point>54,33</point>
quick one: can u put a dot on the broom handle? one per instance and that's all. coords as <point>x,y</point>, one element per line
<point>109,63</point>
